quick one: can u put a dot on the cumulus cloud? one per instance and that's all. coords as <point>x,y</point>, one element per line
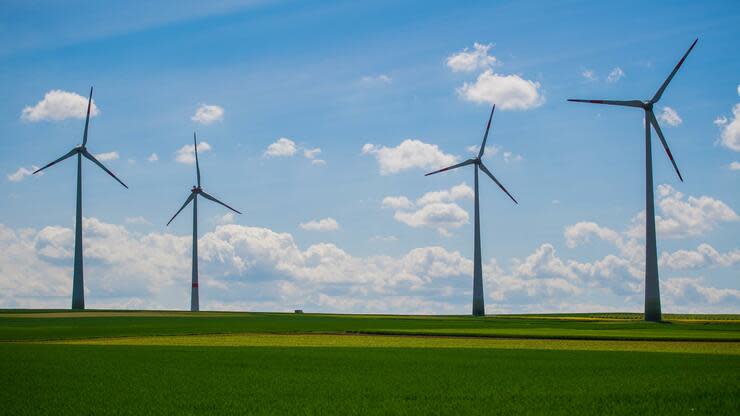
<point>409,154</point>
<point>153,157</point>
<point>682,216</point>
<point>139,220</point>
<point>22,173</point>
<point>735,165</point>
<point>471,60</point>
<point>207,114</point>
<point>508,92</point>
<point>704,256</point>
<point>436,210</point>
<point>615,75</point>
<point>670,117</point>
<point>59,105</point>
<point>186,154</point>
<point>397,202</point>
<point>283,147</point>
<point>325,224</point>
<point>107,156</point>
<point>227,218</point>
<point>254,268</point>
<point>730,130</point>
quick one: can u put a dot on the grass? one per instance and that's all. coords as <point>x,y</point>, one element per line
<point>97,362</point>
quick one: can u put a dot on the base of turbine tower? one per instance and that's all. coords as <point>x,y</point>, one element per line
<point>652,310</point>
<point>478,308</point>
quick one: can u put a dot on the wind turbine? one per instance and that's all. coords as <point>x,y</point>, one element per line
<point>78,288</point>
<point>194,192</point>
<point>652,285</point>
<point>478,303</point>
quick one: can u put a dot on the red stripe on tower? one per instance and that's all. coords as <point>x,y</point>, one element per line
<point>195,285</point>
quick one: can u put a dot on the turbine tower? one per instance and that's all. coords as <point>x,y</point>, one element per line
<point>78,287</point>
<point>479,308</point>
<point>652,285</point>
<point>194,192</point>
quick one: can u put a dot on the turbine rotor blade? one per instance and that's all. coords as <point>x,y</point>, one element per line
<point>197,165</point>
<point>207,196</point>
<point>662,88</point>
<point>97,162</point>
<point>465,163</point>
<point>70,153</point>
<point>628,103</point>
<point>485,136</point>
<point>654,122</point>
<point>187,201</point>
<point>487,172</point>
<point>87,119</point>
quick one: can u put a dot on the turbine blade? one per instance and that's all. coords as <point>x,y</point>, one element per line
<point>70,153</point>
<point>485,136</point>
<point>487,172</point>
<point>662,88</point>
<point>97,162</point>
<point>187,201</point>
<point>197,165</point>
<point>654,122</point>
<point>87,120</point>
<point>207,196</point>
<point>465,163</point>
<point>629,103</point>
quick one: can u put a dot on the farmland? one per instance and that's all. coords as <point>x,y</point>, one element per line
<point>61,362</point>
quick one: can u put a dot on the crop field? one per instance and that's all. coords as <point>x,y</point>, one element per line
<point>105,362</point>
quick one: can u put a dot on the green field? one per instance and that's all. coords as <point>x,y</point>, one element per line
<point>99,362</point>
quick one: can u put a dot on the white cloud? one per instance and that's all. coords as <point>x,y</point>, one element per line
<point>318,162</point>
<point>311,153</point>
<point>153,157</point>
<point>492,150</point>
<point>397,202</point>
<point>253,268</point>
<point>107,156</point>
<point>735,165</point>
<point>21,173</point>
<point>616,74</point>
<point>381,79</point>
<point>704,255</point>
<point>283,147</point>
<point>730,131</point>
<point>440,216</point>
<point>461,191</point>
<point>186,154</point>
<point>471,60</point>
<point>720,121</point>
<point>508,92</point>
<point>137,221</point>
<point>227,218</point>
<point>435,209</point>
<point>512,157</point>
<point>683,217</point>
<point>59,105</point>
<point>409,154</point>
<point>588,74</point>
<point>207,114</point>
<point>326,224</point>
<point>670,116</point>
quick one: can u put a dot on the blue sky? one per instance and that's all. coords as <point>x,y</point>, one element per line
<point>387,91</point>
